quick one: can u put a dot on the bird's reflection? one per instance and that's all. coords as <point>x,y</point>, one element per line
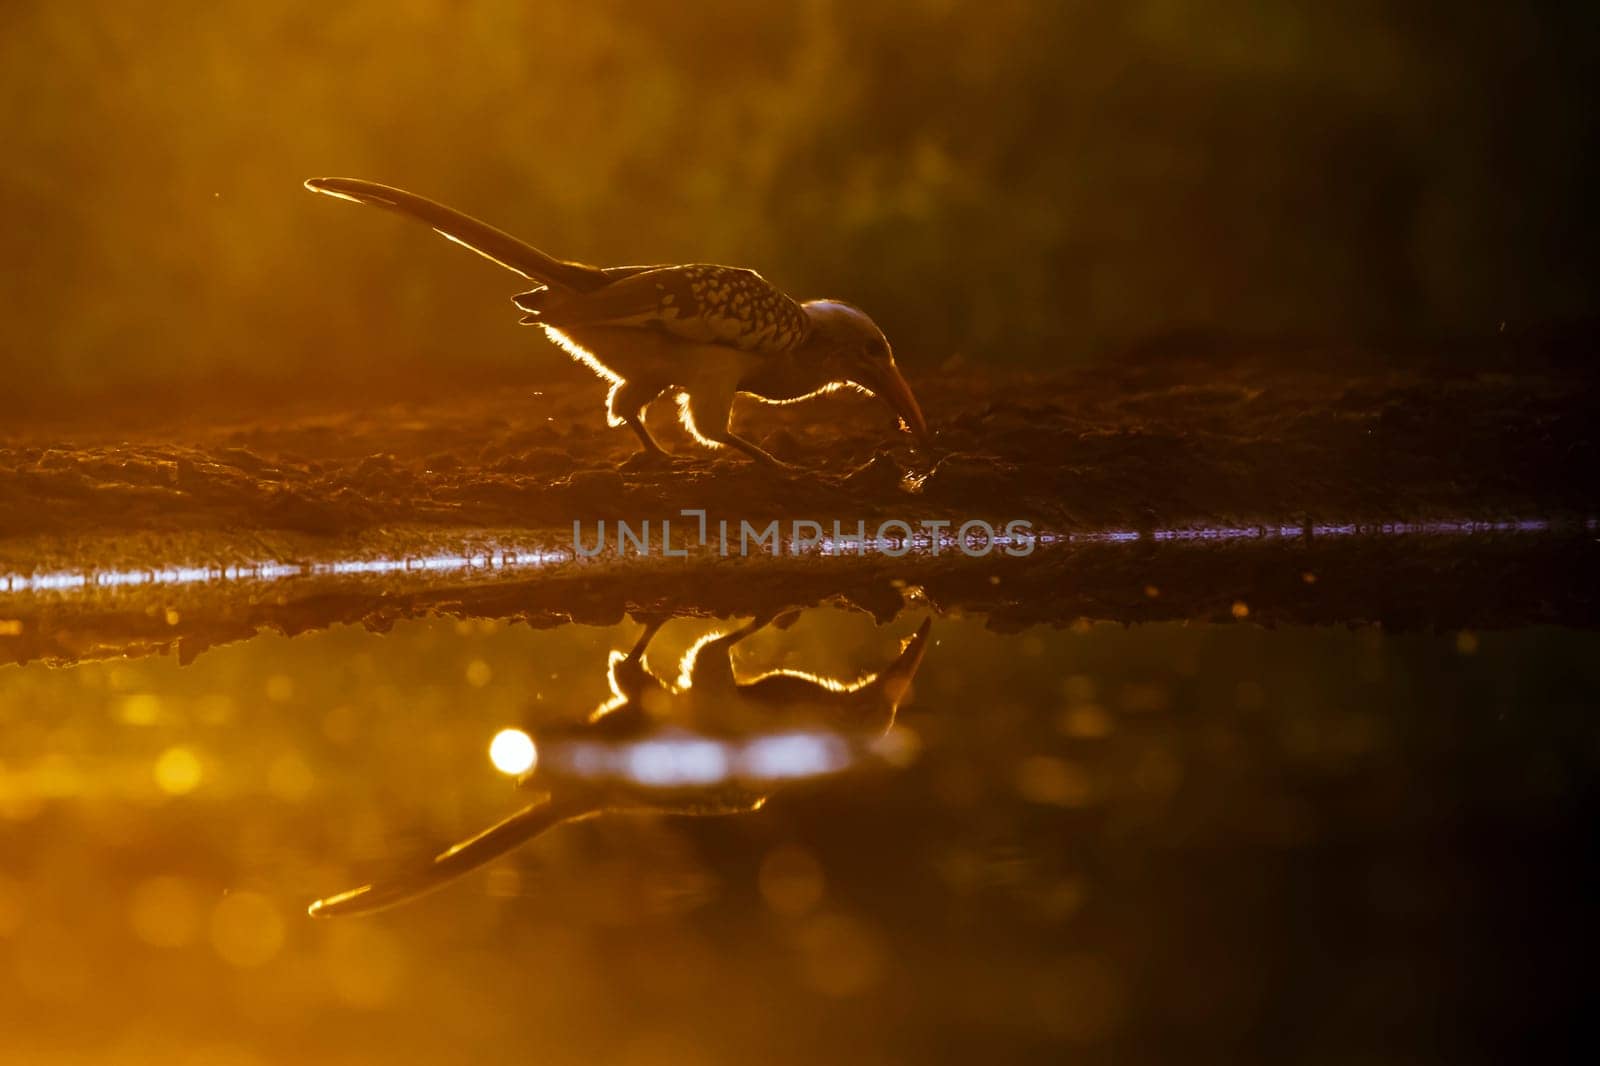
<point>702,743</point>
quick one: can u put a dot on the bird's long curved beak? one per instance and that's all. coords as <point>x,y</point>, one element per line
<point>892,389</point>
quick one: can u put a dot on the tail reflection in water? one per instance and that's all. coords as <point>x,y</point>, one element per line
<point>703,743</point>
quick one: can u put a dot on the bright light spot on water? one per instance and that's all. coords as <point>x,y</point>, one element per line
<point>512,751</point>
<point>677,762</point>
<point>178,771</point>
<point>141,708</point>
<point>794,755</point>
<point>688,761</point>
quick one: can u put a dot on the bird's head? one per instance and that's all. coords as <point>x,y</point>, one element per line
<point>853,350</point>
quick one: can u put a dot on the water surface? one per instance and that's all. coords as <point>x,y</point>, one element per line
<point>1161,842</point>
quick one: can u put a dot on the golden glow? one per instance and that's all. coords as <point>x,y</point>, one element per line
<point>587,358</point>
<point>11,906</point>
<point>612,418</point>
<point>687,419</point>
<point>290,779</point>
<point>178,771</point>
<point>680,756</point>
<point>617,698</point>
<point>310,183</point>
<point>453,239</point>
<point>165,912</point>
<point>581,354</point>
<point>365,965</point>
<point>832,684</point>
<point>512,751</point>
<point>686,664</point>
<point>246,929</point>
<point>334,901</point>
<point>140,708</point>
<point>832,386</point>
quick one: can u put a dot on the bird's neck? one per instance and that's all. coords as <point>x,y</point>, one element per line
<point>788,375</point>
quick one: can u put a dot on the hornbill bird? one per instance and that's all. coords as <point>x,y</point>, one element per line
<point>702,744</point>
<point>704,332</point>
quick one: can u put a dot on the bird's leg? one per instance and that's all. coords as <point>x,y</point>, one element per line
<point>651,627</point>
<point>626,405</point>
<point>648,446</point>
<point>755,625</point>
<point>628,674</point>
<point>710,417</point>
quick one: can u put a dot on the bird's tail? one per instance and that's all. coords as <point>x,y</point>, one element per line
<point>451,863</point>
<point>465,230</point>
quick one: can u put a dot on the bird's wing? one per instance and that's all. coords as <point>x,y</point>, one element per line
<point>480,237</point>
<point>699,302</point>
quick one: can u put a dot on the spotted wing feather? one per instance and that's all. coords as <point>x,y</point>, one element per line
<point>699,302</point>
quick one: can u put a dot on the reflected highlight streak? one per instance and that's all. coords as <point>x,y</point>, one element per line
<point>497,559</point>
<point>922,543</point>
<point>277,570</point>
<point>715,746</point>
<point>689,760</point>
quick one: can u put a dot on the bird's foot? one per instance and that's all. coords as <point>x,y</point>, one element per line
<point>766,460</point>
<point>652,460</point>
<point>787,469</point>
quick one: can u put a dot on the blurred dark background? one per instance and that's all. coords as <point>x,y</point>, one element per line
<point>1004,183</point>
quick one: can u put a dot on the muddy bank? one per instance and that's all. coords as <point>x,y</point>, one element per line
<point>1155,440</point>
<point>128,540</point>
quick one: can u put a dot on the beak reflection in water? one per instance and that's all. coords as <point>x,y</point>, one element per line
<point>703,743</point>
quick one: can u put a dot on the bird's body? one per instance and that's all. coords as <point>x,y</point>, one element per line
<point>704,332</point>
<point>702,744</point>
